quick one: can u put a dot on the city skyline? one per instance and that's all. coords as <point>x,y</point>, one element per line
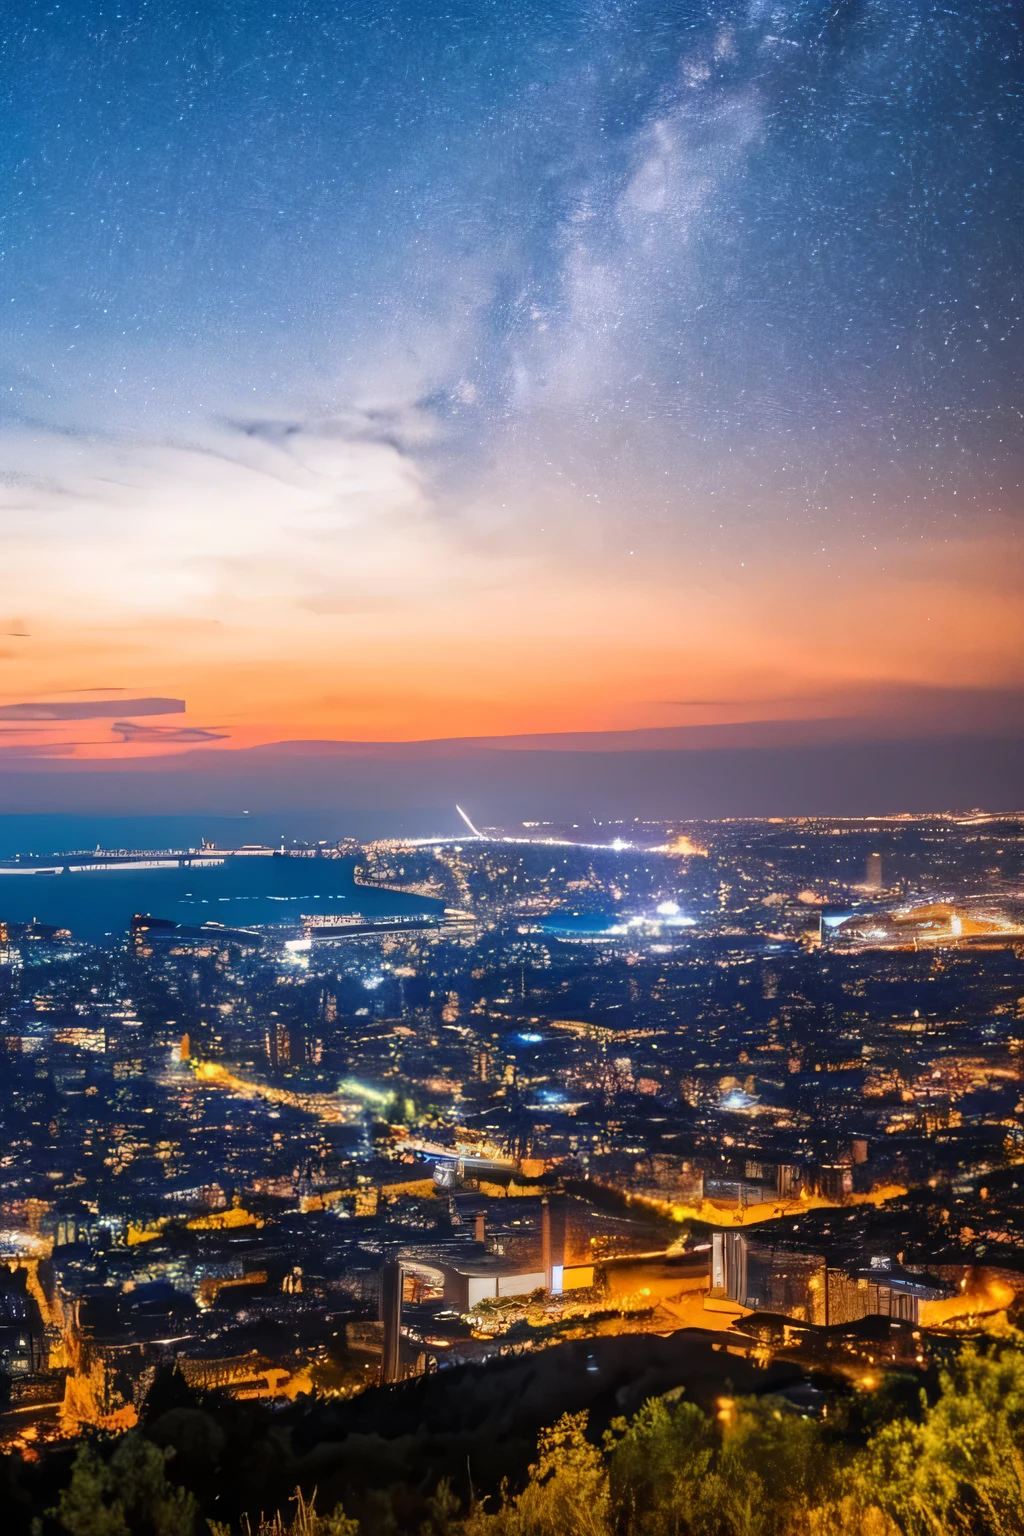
<point>653,1103</point>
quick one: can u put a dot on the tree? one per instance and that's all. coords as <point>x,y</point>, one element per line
<point>658,1466</point>
<point>961,1468</point>
<point>567,1493</point>
<point>127,1495</point>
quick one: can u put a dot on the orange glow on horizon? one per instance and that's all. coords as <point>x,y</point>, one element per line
<point>436,636</point>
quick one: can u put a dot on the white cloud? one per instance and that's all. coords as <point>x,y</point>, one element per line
<point>275,516</point>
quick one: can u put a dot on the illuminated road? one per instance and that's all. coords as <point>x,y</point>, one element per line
<point>327,1107</point>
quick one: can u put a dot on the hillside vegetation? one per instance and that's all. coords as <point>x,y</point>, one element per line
<point>885,1461</point>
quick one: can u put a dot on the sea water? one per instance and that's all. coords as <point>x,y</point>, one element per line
<point>99,904</point>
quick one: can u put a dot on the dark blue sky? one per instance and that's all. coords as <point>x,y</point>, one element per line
<point>235,180</point>
<point>724,286</point>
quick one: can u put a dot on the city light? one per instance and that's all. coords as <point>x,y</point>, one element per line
<point>717,1050</point>
<point>611,414</point>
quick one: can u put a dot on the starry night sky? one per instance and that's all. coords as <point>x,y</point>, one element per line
<point>381,371</point>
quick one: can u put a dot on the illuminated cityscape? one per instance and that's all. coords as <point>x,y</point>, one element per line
<point>627,1079</point>
<point>511,763</point>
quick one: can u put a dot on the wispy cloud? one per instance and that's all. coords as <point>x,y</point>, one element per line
<point>165,735</point>
<point>98,709</point>
<point>617,408</point>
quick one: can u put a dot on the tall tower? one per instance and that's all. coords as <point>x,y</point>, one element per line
<point>392,1282</point>
<point>873,872</point>
<point>552,1244</point>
